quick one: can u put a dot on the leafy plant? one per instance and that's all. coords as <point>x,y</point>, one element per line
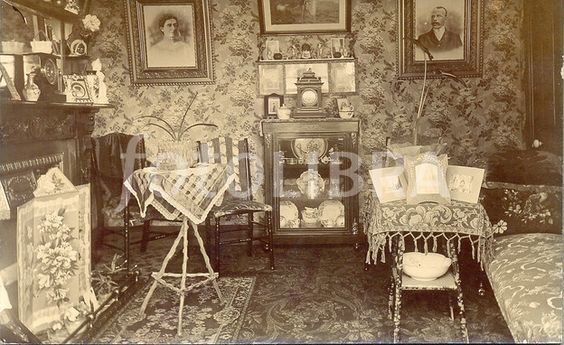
<point>176,132</point>
<point>103,280</point>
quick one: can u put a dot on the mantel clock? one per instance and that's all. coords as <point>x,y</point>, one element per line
<point>308,103</point>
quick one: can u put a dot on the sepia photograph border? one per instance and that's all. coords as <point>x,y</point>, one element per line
<point>469,66</point>
<point>202,73</point>
<point>267,27</point>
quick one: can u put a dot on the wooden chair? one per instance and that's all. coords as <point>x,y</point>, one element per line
<point>238,199</point>
<point>114,157</point>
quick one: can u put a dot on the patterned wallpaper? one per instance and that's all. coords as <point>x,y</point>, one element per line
<point>475,121</point>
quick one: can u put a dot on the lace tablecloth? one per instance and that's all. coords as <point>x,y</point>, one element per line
<point>429,221</point>
<point>191,192</point>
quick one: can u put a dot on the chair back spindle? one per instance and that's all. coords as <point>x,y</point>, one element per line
<point>234,153</point>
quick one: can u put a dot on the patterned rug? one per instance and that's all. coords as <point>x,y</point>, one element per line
<point>205,320</point>
<point>317,294</point>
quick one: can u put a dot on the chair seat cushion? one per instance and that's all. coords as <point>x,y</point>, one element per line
<point>240,206</point>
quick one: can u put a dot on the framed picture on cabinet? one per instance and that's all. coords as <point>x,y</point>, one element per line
<point>294,16</point>
<point>464,183</point>
<point>271,79</point>
<point>458,51</point>
<point>389,183</point>
<point>271,104</point>
<point>342,77</point>
<point>184,56</point>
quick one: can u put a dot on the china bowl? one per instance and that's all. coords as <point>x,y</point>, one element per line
<point>289,215</point>
<point>425,267</point>
<point>330,211</point>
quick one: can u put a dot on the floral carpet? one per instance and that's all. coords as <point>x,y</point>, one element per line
<point>205,320</point>
<point>316,294</point>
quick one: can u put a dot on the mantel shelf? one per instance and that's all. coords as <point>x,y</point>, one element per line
<point>93,106</point>
<point>48,9</point>
<point>287,61</point>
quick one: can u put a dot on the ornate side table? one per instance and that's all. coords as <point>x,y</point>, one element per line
<point>190,194</point>
<point>392,223</point>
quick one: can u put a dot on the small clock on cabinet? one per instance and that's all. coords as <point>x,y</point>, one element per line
<point>309,96</point>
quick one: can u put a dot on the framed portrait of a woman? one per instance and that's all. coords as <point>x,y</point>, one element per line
<point>169,42</point>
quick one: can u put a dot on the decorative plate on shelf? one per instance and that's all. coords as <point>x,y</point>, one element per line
<point>302,146</point>
<point>289,215</point>
<point>310,183</point>
<point>329,213</point>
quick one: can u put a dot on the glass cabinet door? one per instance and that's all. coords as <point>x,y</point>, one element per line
<point>308,183</point>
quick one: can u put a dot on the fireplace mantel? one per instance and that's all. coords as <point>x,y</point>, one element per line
<point>31,129</point>
<point>34,136</point>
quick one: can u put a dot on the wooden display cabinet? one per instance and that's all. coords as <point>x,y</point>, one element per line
<point>311,179</point>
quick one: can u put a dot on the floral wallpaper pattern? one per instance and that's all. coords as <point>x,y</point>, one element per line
<point>475,121</point>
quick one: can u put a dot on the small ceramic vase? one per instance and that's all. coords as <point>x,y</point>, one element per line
<point>31,91</point>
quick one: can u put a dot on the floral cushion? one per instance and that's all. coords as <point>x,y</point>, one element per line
<point>240,206</point>
<point>526,277</point>
<point>515,208</point>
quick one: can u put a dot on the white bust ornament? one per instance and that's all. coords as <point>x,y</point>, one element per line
<point>102,96</point>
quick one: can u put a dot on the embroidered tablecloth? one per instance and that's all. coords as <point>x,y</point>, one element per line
<point>191,192</point>
<point>430,221</point>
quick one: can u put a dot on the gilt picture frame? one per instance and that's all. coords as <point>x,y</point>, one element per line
<point>458,52</point>
<point>295,17</point>
<point>169,42</point>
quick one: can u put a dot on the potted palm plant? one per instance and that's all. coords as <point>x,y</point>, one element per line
<point>178,151</point>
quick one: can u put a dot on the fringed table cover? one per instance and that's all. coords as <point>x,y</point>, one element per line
<point>454,222</point>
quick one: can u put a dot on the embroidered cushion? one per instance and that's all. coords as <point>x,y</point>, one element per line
<point>514,208</point>
<point>235,206</point>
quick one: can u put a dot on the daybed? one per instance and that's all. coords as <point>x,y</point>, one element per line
<point>526,270</point>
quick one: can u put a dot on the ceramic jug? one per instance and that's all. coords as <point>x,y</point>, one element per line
<point>284,112</point>
<point>31,91</point>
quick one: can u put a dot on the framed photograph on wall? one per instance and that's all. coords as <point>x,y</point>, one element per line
<point>464,183</point>
<point>457,51</point>
<point>295,16</point>
<point>389,183</point>
<point>271,104</point>
<point>169,42</point>
<point>271,79</point>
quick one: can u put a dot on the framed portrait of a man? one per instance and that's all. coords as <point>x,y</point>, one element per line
<point>169,42</point>
<point>446,35</point>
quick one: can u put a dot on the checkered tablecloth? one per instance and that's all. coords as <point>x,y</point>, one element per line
<point>190,192</point>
